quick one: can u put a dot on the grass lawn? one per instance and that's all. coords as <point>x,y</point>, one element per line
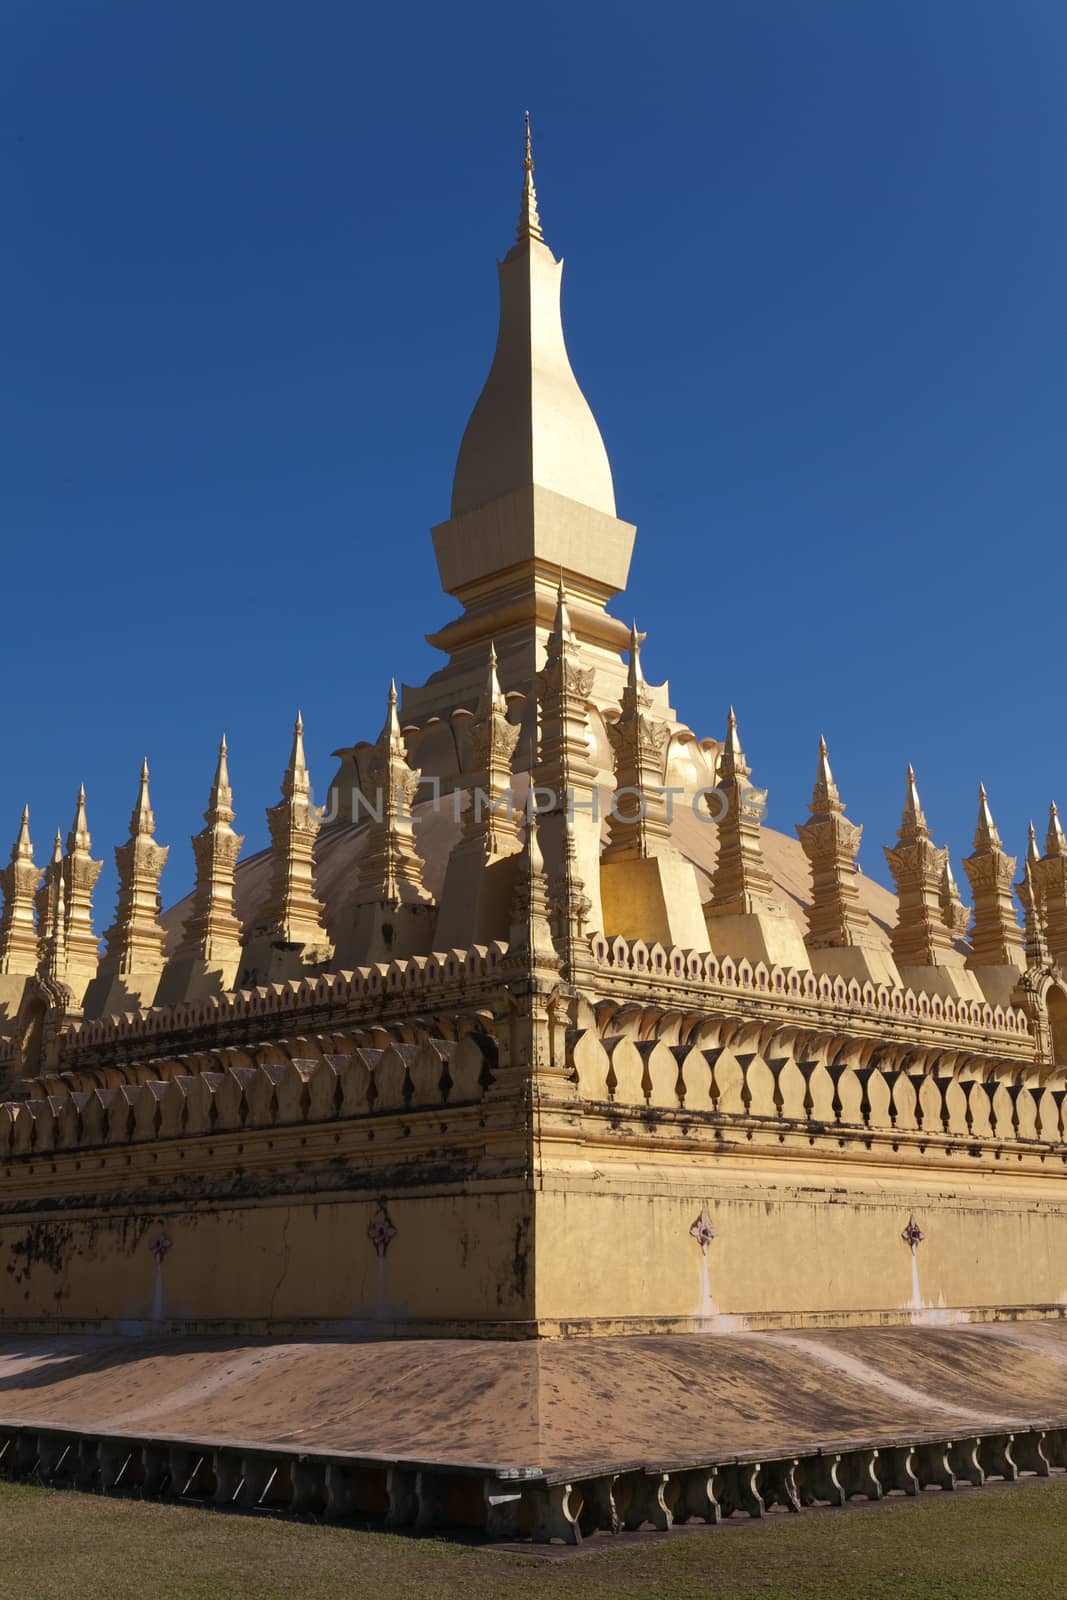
<point>997,1543</point>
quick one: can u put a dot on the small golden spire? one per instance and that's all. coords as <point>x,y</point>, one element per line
<point>19,883</point>
<point>1037,951</point>
<point>135,939</point>
<point>1033,854</point>
<point>391,733</point>
<point>211,932</point>
<point>292,913</point>
<point>956,915</point>
<point>78,838</point>
<point>23,850</point>
<point>1055,842</point>
<point>831,842</point>
<point>220,800</point>
<point>529,221</point>
<point>826,797</point>
<point>913,822</point>
<point>734,764</point>
<point>142,822</point>
<point>80,872</point>
<point>492,698</point>
<point>390,868</point>
<point>635,678</point>
<point>562,627</point>
<point>55,943</point>
<point>741,882</point>
<point>295,780</point>
<point>995,939</point>
<point>986,836</point>
<point>530,941</point>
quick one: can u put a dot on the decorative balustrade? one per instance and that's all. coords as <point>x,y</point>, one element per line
<point>330,991</point>
<point>723,973</point>
<point>360,1083</point>
<point>695,1080</point>
<point>228,1092</point>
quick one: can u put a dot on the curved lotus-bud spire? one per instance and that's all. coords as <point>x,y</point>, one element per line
<point>733,763</point>
<point>741,883</point>
<point>486,741</point>
<point>1050,880</point>
<point>295,780</point>
<point>639,825</point>
<point>995,937</point>
<point>23,850</point>
<point>635,677</point>
<point>913,821</point>
<point>79,837</point>
<point>1036,944</point>
<point>221,798</point>
<point>142,821</point>
<point>921,937</point>
<point>292,914</point>
<point>135,940</point>
<point>530,941</point>
<point>390,868</point>
<point>392,734</point>
<point>831,843</point>
<point>211,932</point>
<point>80,873</point>
<point>986,836</point>
<point>532,425</point>
<point>18,929</point>
<point>955,914</point>
<point>825,796</point>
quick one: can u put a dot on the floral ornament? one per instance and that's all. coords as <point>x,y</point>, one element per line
<point>159,1247</point>
<point>381,1230</point>
<point>913,1234</point>
<point>702,1230</point>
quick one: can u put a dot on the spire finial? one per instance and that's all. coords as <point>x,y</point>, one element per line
<point>635,677</point>
<point>913,822</point>
<point>825,796</point>
<point>529,221</point>
<point>295,779</point>
<point>561,628</point>
<point>23,847</point>
<point>142,821</point>
<point>78,838</point>
<point>734,764</point>
<point>1037,950</point>
<point>220,800</point>
<point>1055,842</point>
<point>986,836</point>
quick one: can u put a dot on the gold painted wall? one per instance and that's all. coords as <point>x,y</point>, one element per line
<point>273,1265</point>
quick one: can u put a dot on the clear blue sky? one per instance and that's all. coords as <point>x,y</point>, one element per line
<point>816,274</point>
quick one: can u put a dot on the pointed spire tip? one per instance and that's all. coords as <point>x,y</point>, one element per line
<point>529,221</point>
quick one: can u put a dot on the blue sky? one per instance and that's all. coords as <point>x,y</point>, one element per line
<point>816,268</point>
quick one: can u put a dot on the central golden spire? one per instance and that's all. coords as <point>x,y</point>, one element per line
<point>532,497</point>
<point>532,425</point>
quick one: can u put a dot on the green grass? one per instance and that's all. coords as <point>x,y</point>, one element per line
<point>999,1543</point>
